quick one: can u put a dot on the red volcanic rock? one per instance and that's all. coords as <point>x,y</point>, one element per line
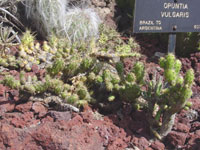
<point>14,95</point>
<point>194,141</point>
<point>196,104</point>
<point>186,64</point>
<point>39,109</point>
<point>118,143</point>
<point>197,79</point>
<point>35,68</point>
<point>182,128</point>
<point>14,73</point>
<point>176,139</point>
<point>197,67</point>
<point>195,126</point>
<point>41,73</point>
<point>47,119</point>
<point>142,143</point>
<point>24,107</point>
<point>195,56</point>
<point>6,105</point>
<point>58,116</point>
<point>157,145</point>
<point>61,134</point>
<point>2,90</point>
<point>8,136</point>
<point>56,136</point>
<point>19,120</point>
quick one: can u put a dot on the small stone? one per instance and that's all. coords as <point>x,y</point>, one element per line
<point>60,115</point>
<point>2,90</point>
<point>6,105</point>
<point>9,135</point>
<point>191,114</point>
<point>39,109</point>
<point>195,126</point>
<point>176,139</point>
<point>47,119</point>
<point>15,94</point>
<point>157,145</point>
<point>22,120</point>
<point>35,68</point>
<point>142,143</point>
<point>183,128</point>
<point>194,141</point>
<point>24,107</point>
<point>197,67</point>
<point>159,54</point>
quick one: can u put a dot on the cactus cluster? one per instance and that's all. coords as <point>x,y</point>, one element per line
<point>85,73</point>
<point>113,81</point>
<point>74,72</point>
<point>70,68</point>
<point>75,94</point>
<point>165,99</point>
<point>34,53</point>
<point>111,41</point>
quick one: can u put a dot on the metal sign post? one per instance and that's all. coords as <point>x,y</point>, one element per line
<point>172,43</point>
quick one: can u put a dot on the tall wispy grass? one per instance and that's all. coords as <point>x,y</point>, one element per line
<point>63,20</point>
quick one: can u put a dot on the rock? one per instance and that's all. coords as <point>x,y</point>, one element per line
<point>8,136</point>
<point>139,124</point>
<point>2,90</point>
<point>176,139</point>
<point>157,145</point>
<point>35,68</point>
<point>186,64</point>
<point>142,143</point>
<point>19,120</point>
<point>39,109</point>
<point>191,114</point>
<point>47,119</point>
<point>196,104</point>
<point>14,94</point>
<point>159,54</point>
<point>41,74</point>
<point>194,141</point>
<point>6,105</point>
<point>182,128</point>
<point>106,10</point>
<point>57,116</point>
<point>197,79</point>
<point>56,136</point>
<point>195,126</point>
<point>197,67</point>
<point>116,144</point>
<point>24,107</point>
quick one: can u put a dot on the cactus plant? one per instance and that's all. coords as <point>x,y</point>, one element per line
<point>82,24</point>
<point>47,16</point>
<point>165,100</point>
<point>55,17</point>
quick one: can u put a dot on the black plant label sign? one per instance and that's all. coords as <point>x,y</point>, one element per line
<point>166,16</point>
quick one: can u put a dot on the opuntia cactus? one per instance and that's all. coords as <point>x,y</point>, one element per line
<point>171,98</point>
